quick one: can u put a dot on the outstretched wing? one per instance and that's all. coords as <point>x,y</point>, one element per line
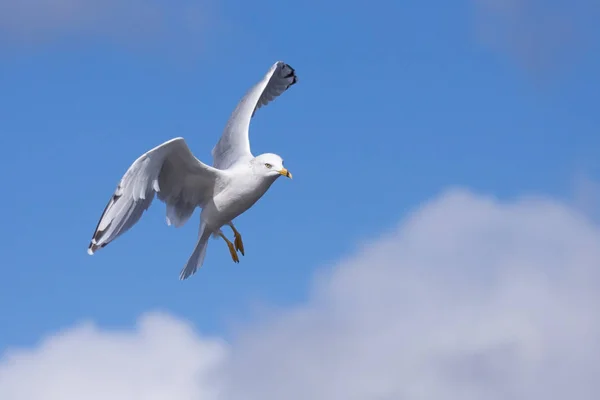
<point>234,144</point>
<point>169,170</point>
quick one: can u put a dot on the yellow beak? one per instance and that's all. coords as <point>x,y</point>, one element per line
<point>285,173</point>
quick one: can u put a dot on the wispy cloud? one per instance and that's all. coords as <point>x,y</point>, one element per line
<point>133,22</point>
<point>470,298</point>
<point>540,35</point>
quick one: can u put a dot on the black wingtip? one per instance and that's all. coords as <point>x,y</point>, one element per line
<point>93,247</point>
<point>291,74</point>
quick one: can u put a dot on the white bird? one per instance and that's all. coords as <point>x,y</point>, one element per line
<point>231,186</point>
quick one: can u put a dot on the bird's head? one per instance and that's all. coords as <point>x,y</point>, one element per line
<point>271,165</point>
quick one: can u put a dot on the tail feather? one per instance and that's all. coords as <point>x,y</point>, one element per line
<point>197,258</point>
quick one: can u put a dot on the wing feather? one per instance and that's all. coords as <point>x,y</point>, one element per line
<point>169,170</point>
<point>234,144</point>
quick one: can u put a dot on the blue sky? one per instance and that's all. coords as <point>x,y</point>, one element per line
<point>396,102</point>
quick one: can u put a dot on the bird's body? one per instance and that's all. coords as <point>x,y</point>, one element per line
<point>235,182</point>
<point>240,189</point>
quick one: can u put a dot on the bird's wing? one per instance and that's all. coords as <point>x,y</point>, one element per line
<point>234,144</point>
<point>169,170</point>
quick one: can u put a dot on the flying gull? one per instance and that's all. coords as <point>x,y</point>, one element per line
<point>231,186</point>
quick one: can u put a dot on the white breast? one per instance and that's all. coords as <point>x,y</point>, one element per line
<point>240,194</point>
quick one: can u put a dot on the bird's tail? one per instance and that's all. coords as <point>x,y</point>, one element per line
<point>197,258</point>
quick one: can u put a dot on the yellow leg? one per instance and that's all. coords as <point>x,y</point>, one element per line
<point>232,251</point>
<point>239,245</point>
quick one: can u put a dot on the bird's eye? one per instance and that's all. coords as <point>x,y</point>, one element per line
<point>268,165</point>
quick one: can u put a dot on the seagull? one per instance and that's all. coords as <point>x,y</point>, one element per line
<point>225,190</point>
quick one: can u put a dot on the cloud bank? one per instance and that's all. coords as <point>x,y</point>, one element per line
<point>162,358</point>
<point>469,298</point>
<point>131,22</point>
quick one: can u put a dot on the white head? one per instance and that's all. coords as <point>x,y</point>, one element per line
<point>270,165</point>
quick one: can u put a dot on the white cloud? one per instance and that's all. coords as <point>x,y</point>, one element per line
<point>129,22</point>
<point>162,359</point>
<point>470,298</point>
